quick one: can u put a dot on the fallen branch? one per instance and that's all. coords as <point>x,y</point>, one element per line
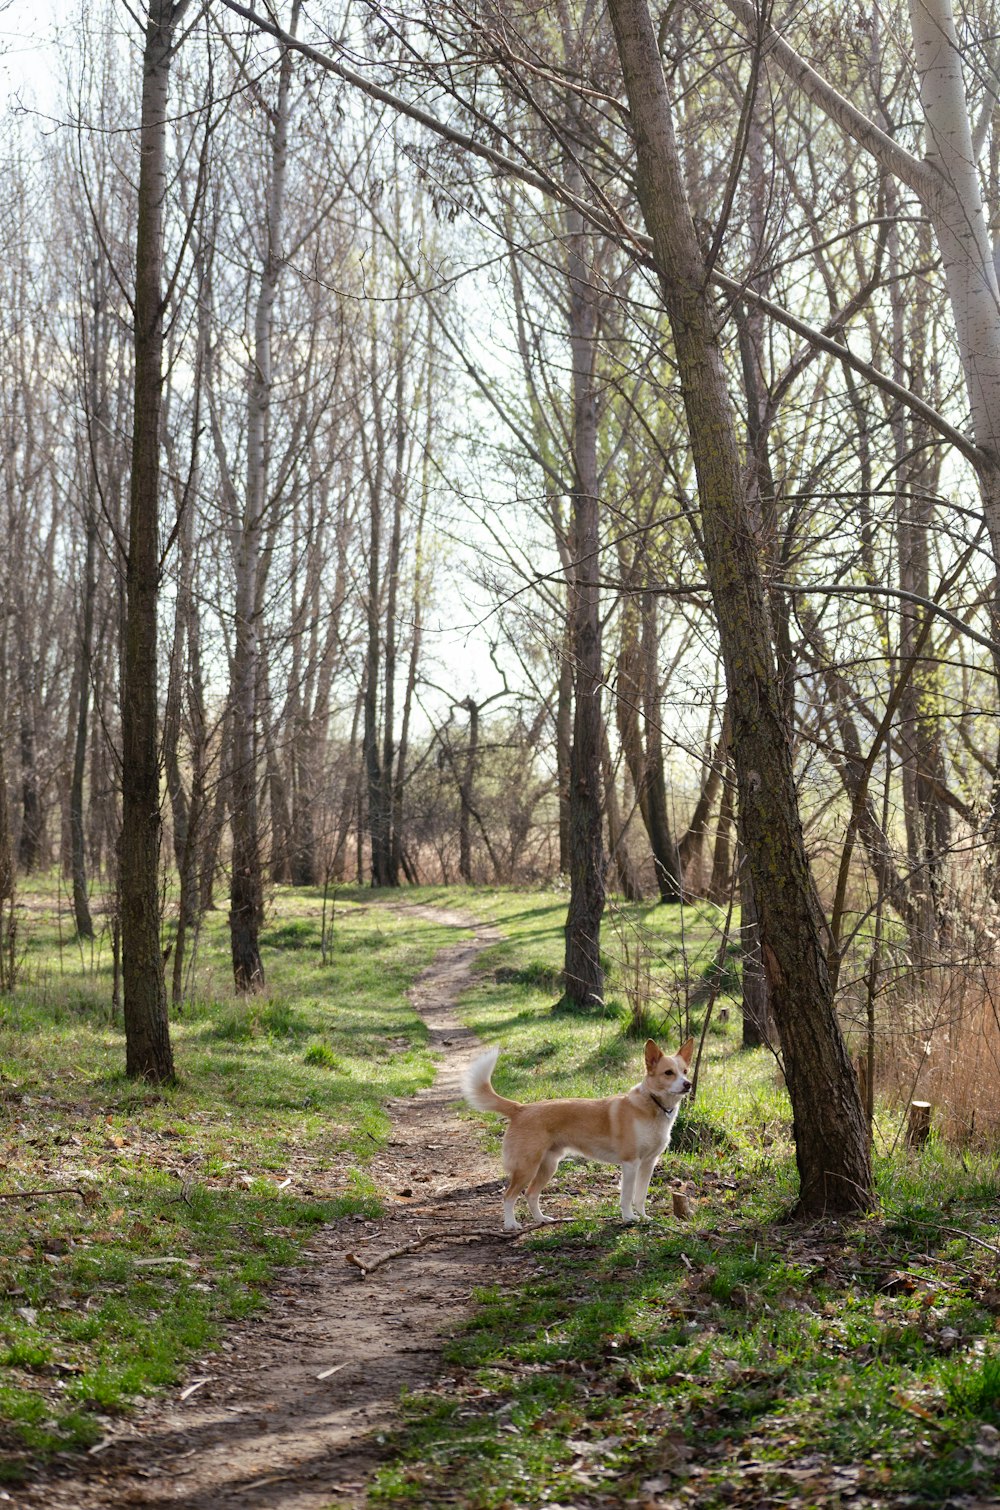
<point>479,1234</point>
<point>31,1195</point>
<point>970,1237</point>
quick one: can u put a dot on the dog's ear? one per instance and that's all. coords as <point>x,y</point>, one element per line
<point>653,1053</point>
<point>686,1052</point>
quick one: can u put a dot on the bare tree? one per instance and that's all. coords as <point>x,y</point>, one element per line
<point>831,1134</point>
<point>147,1034</point>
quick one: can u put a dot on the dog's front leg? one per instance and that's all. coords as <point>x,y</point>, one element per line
<point>629,1172</point>
<point>646,1168</point>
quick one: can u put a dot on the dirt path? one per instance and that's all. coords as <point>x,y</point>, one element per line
<point>290,1409</point>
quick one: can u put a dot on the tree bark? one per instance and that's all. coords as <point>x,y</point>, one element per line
<point>564,746</point>
<point>924,772</point>
<point>378,670</point>
<point>692,844</point>
<point>78,859</point>
<point>30,838</point>
<point>830,1129</point>
<point>668,874</point>
<point>7,942</point>
<point>720,882</point>
<point>758,1023</point>
<point>147,1036</point>
<point>628,880</point>
<point>635,695</point>
<point>583,971</point>
<point>466,788</point>
<point>246,909</point>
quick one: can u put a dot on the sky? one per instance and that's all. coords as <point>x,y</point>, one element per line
<point>29,65</point>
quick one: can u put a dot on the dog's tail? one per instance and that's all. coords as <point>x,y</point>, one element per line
<point>479,1092</point>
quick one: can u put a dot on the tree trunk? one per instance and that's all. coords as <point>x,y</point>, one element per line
<point>381,869</point>
<point>917,465</point>
<point>758,1023</point>
<point>632,695</point>
<point>584,974</point>
<point>78,860</point>
<point>377,778</point>
<point>7,942</point>
<point>247,886</point>
<point>191,896</point>
<point>6,853</point>
<point>668,875</point>
<point>282,841</point>
<point>466,788</point>
<point>147,1034</point>
<point>350,803</point>
<point>830,1128</point>
<point>721,880</point>
<point>387,786</point>
<point>691,846</point>
<point>401,774</point>
<point>305,758</point>
<point>30,838</point>
<point>209,857</point>
<point>564,747</point>
<point>618,850</point>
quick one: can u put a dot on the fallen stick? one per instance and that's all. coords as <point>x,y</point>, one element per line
<point>477,1235</point>
<point>31,1195</point>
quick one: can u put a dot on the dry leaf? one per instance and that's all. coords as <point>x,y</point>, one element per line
<point>913,1406</point>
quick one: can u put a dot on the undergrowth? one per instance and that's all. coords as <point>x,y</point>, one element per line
<point>735,1358</point>
<point>178,1205</point>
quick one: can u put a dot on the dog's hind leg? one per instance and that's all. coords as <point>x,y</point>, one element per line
<point>518,1166</point>
<point>541,1177</point>
<point>515,1184</point>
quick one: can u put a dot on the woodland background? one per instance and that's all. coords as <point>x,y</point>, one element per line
<point>359,513</point>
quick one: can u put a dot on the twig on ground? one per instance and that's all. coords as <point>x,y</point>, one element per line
<point>31,1195</point>
<point>969,1237</point>
<point>479,1234</point>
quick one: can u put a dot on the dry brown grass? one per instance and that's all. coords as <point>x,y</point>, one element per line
<point>945,1048</point>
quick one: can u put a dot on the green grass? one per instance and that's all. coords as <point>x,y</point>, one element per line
<point>192,1196</point>
<point>733,1359</point>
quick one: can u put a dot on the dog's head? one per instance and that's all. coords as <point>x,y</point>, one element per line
<point>667,1074</point>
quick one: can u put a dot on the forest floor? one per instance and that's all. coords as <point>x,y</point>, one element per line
<point>293,1410</point>
<point>190,1323</point>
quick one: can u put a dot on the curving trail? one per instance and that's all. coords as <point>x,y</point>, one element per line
<point>291,1407</point>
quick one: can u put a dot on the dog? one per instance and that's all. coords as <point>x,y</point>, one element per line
<point>631,1130</point>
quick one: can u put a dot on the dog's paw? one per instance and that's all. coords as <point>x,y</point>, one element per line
<point>512,1226</point>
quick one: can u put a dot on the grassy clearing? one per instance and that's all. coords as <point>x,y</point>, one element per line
<point>186,1199</point>
<point>734,1359</point>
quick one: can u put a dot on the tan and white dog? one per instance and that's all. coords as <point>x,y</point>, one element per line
<point>631,1130</point>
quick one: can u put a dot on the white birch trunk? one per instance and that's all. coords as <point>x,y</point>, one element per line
<point>955,205</point>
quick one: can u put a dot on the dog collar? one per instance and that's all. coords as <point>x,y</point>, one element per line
<point>665,1110</point>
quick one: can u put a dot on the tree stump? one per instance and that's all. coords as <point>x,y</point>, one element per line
<point>918,1126</point>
